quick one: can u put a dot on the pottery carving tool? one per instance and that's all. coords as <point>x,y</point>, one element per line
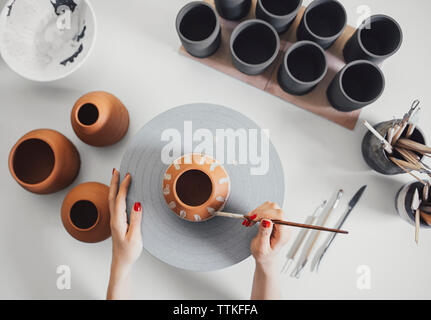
<point>408,117</point>
<point>415,207</point>
<point>281,222</point>
<point>399,164</point>
<point>386,145</point>
<point>413,145</point>
<point>312,238</point>
<point>324,248</point>
<point>300,238</point>
<point>414,119</point>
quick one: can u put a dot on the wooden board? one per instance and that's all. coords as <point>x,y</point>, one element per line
<point>315,101</point>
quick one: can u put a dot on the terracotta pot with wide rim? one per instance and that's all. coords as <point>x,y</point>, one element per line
<point>44,161</point>
<point>85,212</point>
<point>196,186</point>
<point>100,119</point>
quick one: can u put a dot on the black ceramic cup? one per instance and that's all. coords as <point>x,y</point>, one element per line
<point>254,45</point>
<point>404,201</point>
<point>376,39</point>
<point>375,155</point>
<point>280,14</point>
<point>357,85</point>
<point>199,29</point>
<point>304,66</point>
<point>323,22</point>
<point>233,9</point>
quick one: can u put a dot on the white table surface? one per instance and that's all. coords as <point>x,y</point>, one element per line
<point>136,58</point>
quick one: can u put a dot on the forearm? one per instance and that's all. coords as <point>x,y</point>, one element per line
<point>119,287</point>
<point>265,283</point>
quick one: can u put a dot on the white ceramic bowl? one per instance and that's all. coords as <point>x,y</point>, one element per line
<point>46,40</point>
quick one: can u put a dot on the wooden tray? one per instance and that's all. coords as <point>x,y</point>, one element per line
<point>315,101</point>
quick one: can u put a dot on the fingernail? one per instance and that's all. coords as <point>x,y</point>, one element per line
<point>247,223</point>
<point>128,175</point>
<point>113,171</point>
<point>253,217</point>
<point>137,207</point>
<point>266,224</point>
<point>244,222</point>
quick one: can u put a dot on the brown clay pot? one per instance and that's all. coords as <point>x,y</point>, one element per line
<point>85,212</point>
<point>100,119</point>
<point>195,187</point>
<point>44,161</point>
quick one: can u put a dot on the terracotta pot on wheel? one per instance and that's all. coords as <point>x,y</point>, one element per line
<point>196,186</point>
<point>85,212</point>
<point>100,119</point>
<point>44,161</point>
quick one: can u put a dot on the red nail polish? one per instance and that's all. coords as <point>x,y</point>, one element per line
<point>266,224</point>
<point>244,222</point>
<point>248,223</point>
<point>253,217</point>
<point>113,171</point>
<point>137,207</point>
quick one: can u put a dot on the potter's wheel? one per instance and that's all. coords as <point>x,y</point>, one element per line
<point>209,245</point>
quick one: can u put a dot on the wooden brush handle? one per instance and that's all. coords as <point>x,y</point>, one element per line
<point>413,145</point>
<point>308,226</point>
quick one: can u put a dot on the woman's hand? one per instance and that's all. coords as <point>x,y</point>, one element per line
<point>264,248</point>
<point>270,238</point>
<point>126,238</point>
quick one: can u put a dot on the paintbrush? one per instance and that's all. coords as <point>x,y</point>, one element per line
<point>281,222</point>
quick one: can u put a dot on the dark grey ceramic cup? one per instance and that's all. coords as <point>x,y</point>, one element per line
<point>304,66</point>
<point>254,45</point>
<point>376,39</point>
<point>233,9</point>
<point>404,200</point>
<point>323,22</point>
<point>280,14</point>
<point>357,85</point>
<point>375,155</point>
<point>199,29</point>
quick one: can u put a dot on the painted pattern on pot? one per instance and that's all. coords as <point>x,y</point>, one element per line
<point>46,40</point>
<point>196,186</point>
<point>44,161</point>
<point>100,119</point>
<point>85,212</point>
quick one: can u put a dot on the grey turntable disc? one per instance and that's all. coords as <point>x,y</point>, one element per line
<point>199,246</point>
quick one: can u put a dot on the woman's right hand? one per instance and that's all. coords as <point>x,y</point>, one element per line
<point>270,237</point>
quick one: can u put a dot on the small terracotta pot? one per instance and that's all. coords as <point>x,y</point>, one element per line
<point>100,119</point>
<point>195,187</point>
<point>44,161</point>
<point>85,212</point>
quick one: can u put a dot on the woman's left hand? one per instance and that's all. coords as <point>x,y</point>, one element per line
<point>126,238</point>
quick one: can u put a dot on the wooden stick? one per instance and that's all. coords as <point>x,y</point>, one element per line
<point>426,217</point>
<point>398,134</point>
<point>413,145</point>
<point>396,161</point>
<point>387,145</point>
<point>281,222</point>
